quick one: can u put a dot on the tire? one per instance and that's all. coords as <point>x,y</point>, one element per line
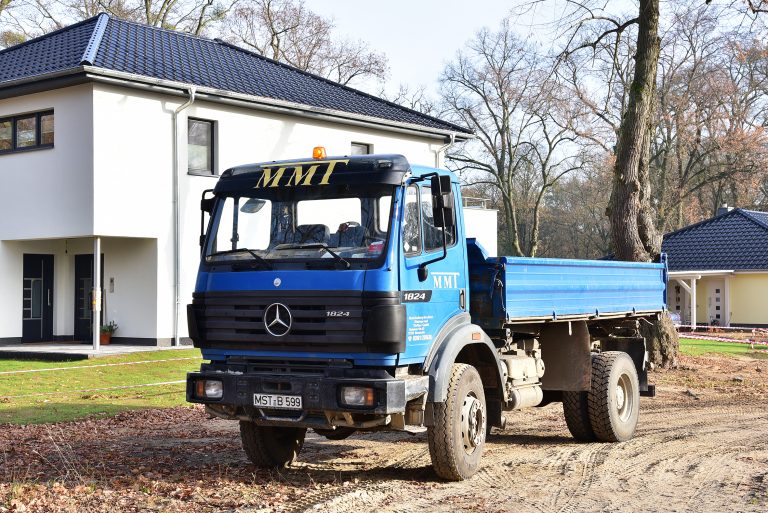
<point>271,447</point>
<point>614,398</point>
<point>457,439</point>
<point>576,411</point>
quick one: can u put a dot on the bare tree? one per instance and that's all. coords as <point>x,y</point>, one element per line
<point>31,18</point>
<point>413,98</point>
<point>287,31</point>
<point>525,125</point>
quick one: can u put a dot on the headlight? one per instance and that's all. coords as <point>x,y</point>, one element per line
<point>357,396</point>
<point>209,389</point>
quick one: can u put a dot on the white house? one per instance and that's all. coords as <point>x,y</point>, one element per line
<point>109,133</point>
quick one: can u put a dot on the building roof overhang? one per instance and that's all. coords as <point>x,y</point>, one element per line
<point>697,275</point>
<point>84,73</point>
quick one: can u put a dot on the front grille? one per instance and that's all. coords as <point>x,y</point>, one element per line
<point>322,321</point>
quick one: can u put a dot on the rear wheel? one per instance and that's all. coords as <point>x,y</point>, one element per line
<point>269,446</point>
<point>614,399</point>
<point>576,410</point>
<point>457,439</point>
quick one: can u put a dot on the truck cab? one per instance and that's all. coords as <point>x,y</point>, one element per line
<point>343,294</point>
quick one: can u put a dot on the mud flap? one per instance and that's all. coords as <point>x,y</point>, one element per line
<point>565,350</point>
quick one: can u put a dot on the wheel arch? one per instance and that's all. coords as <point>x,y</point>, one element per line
<point>463,342</point>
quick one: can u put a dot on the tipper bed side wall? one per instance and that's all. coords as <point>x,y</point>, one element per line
<point>516,289</point>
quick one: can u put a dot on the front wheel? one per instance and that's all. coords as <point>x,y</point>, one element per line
<point>457,439</point>
<point>269,446</point>
<point>614,399</point>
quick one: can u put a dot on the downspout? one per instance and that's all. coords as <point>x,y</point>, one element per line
<point>176,218</point>
<point>444,147</point>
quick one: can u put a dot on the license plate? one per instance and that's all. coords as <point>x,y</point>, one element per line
<point>278,402</point>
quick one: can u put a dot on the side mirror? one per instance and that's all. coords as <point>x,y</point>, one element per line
<point>422,272</point>
<point>206,207</point>
<point>206,204</point>
<point>442,202</point>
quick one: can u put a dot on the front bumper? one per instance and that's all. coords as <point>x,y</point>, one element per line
<point>321,397</point>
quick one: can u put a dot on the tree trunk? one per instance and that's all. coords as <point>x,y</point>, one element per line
<point>630,211</point>
<point>662,341</point>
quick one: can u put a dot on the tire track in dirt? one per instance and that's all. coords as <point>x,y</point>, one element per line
<point>684,457</point>
<point>594,457</point>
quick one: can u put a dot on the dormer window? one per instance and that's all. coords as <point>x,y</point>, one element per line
<point>24,132</point>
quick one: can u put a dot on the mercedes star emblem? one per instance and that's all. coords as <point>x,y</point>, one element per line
<point>277,282</point>
<point>277,319</point>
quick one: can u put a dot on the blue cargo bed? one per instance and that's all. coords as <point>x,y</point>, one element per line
<point>513,290</point>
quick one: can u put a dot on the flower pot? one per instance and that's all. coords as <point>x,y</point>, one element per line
<point>105,338</point>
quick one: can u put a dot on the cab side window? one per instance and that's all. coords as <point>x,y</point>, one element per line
<point>433,236</point>
<point>411,223</point>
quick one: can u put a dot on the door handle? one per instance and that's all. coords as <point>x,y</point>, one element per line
<point>49,297</point>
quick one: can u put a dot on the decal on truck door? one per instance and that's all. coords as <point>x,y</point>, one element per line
<point>445,280</point>
<point>418,326</point>
<point>416,296</point>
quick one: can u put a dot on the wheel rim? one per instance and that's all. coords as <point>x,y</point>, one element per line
<point>624,398</point>
<point>472,423</point>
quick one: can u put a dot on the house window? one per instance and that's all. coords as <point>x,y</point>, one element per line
<point>361,149</point>
<point>26,132</point>
<point>200,135</point>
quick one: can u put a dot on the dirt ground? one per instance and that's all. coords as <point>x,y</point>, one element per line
<point>701,445</point>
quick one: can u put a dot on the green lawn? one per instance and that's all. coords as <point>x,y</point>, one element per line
<point>73,391</point>
<point>695,347</point>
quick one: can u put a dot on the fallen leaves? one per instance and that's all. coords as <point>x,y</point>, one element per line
<point>152,460</point>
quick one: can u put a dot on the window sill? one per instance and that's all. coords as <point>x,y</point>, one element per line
<point>26,150</point>
<point>201,173</point>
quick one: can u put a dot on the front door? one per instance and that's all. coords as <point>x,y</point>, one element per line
<point>715,304</point>
<point>83,296</point>
<point>37,324</point>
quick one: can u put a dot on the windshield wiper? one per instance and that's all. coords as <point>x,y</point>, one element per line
<point>317,245</point>
<point>251,252</point>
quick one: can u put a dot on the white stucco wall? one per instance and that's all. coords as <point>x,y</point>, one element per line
<point>482,224</point>
<point>48,193</point>
<point>130,264</point>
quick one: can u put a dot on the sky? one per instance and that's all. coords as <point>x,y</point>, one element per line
<point>420,36</point>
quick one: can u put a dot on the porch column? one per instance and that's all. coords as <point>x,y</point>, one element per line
<point>693,303</point>
<point>96,295</point>
<point>727,302</point>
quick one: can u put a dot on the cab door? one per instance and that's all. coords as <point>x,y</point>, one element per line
<point>432,302</point>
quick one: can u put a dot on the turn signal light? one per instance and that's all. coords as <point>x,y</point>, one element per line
<point>209,389</point>
<point>318,152</point>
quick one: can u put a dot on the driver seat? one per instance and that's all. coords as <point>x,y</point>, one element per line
<point>311,233</point>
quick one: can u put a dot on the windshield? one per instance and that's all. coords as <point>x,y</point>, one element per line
<point>333,226</point>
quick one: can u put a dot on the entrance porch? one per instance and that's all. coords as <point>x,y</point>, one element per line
<point>56,293</point>
<point>701,298</point>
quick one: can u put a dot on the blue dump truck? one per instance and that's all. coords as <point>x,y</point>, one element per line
<point>343,295</point>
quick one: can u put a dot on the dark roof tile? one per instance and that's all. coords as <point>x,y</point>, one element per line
<point>735,240</point>
<point>152,52</point>
<point>57,51</point>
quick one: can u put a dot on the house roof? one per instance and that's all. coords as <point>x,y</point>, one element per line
<point>734,240</point>
<point>104,45</point>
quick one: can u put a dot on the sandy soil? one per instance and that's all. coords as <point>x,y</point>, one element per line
<point>701,445</point>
